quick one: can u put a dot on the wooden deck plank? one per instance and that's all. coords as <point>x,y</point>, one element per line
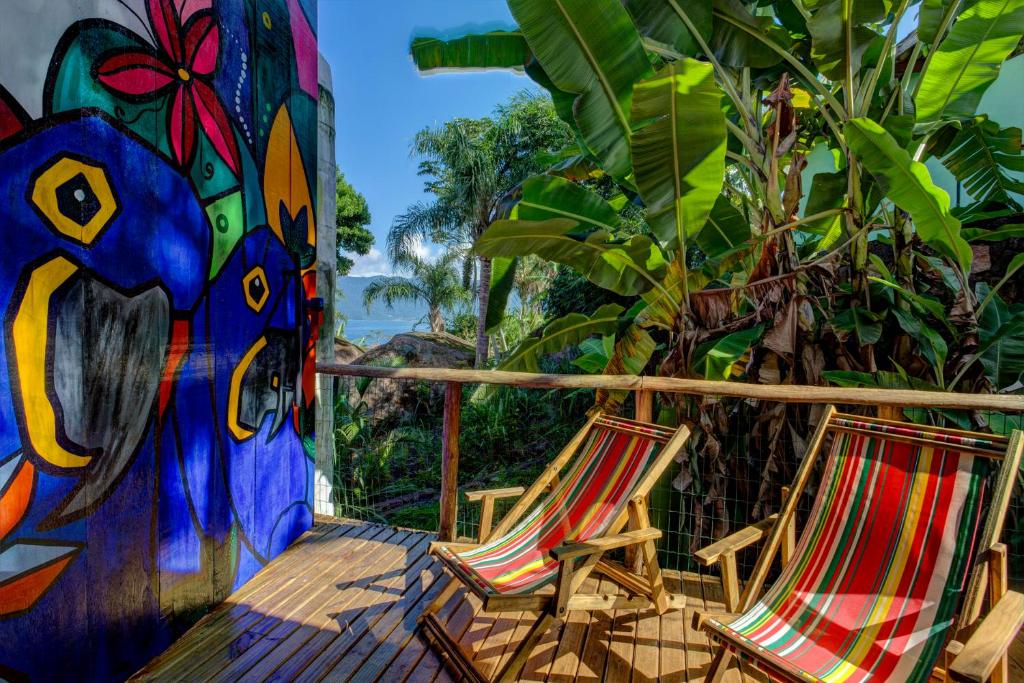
<point>698,650</point>
<point>213,635</point>
<point>464,607</point>
<point>539,664</point>
<point>595,648</point>
<point>425,573</point>
<point>646,647</point>
<point>239,603</point>
<point>622,640</point>
<point>342,603</point>
<point>277,644</point>
<point>409,658</point>
<point>574,634</point>
<point>672,637</point>
<point>353,611</point>
<point>248,632</point>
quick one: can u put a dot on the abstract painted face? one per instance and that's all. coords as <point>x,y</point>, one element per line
<point>246,358</point>
<point>85,338</point>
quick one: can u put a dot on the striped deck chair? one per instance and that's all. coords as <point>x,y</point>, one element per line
<point>902,523</point>
<point>558,532</point>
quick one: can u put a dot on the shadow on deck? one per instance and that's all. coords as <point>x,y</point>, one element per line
<point>341,604</point>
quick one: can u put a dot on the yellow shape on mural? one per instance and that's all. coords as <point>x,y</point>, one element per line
<point>284,178</point>
<point>255,288</point>
<point>75,198</point>
<point>30,343</point>
<point>235,390</point>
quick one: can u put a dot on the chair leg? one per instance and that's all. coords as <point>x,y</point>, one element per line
<point>510,672</point>
<point>719,665</point>
<point>449,649</point>
<point>640,518</point>
<point>442,597</point>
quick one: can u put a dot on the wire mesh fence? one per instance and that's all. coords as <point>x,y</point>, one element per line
<point>731,473</point>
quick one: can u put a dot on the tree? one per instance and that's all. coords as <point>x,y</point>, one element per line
<point>473,167</point>
<point>436,284</point>
<point>706,113</point>
<point>351,218</point>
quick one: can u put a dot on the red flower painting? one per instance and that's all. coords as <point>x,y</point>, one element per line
<point>183,66</point>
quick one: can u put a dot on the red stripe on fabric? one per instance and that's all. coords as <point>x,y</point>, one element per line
<point>788,608</point>
<point>563,513</point>
<point>913,587</point>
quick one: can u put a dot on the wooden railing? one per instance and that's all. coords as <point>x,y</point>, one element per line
<point>888,402</point>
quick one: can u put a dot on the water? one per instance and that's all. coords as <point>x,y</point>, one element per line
<point>372,332</point>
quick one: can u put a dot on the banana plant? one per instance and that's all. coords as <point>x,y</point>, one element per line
<point>705,113</point>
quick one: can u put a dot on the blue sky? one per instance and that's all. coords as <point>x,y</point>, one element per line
<point>381,100</point>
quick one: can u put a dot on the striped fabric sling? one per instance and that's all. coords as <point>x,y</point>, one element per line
<point>589,497</point>
<point>877,577</point>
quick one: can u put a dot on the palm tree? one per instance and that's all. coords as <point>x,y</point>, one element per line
<point>436,284</point>
<point>473,166</point>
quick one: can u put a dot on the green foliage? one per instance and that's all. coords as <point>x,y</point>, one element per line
<point>437,284</point>
<point>497,49</point>
<point>679,157</point>
<point>559,334</point>
<point>910,187</point>
<point>570,292</point>
<point>840,34</point>
<point>546,196</point>
<point>627,266</point>
<point>472,167</point>
<point>660,21</point>
<point>589,48</point>
<point>693,122</point>
<point>351,218</point>
<point>716,359</point>
<point>969,58</point>
<point>983,156</point>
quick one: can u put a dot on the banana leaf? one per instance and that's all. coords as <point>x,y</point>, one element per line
<point>590,48</point>
<point>909,185</point>
<point>494,50</point>
<point>679,158</point>
<point>567,331</point>
<point>968,59</point>
<point>983,157</point>
<point>627,267</point>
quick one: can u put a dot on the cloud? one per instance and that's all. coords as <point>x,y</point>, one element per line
<point>374,263</point>
<point>423,250</point>
<point>377,263</point>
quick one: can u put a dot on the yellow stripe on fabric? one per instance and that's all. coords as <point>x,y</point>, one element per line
<point>883,600</point>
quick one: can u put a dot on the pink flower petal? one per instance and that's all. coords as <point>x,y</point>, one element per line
<point>163,17</point>
<point>189,7</point>
<point>202,40</point>
<point>181,127</point>
<point>134,73</point>
<point>216,125</point>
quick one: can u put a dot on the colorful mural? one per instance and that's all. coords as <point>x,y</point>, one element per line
<point>158,314</point>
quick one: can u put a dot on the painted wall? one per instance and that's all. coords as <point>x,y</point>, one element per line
<point>157,250</point>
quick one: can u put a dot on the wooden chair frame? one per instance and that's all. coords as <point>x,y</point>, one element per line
<point>631,529</point>
<point>977,650</point>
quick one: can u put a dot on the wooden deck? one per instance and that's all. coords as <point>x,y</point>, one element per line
<point>341,604</point>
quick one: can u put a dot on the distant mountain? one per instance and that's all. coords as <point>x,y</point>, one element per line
<point>349,302</point>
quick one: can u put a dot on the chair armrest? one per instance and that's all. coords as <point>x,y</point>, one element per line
<point>700,616</point>
<point>568,551</point>
<point>495,494</point>
<point>990,641</point>
<point>735,541</point>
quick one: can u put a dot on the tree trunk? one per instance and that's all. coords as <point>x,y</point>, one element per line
<point>483,294</point>
<point>436,319</point>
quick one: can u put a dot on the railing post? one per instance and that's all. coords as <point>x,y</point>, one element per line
<point>645,405</point>
<point>894,413</point>
<point>450,461</point>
